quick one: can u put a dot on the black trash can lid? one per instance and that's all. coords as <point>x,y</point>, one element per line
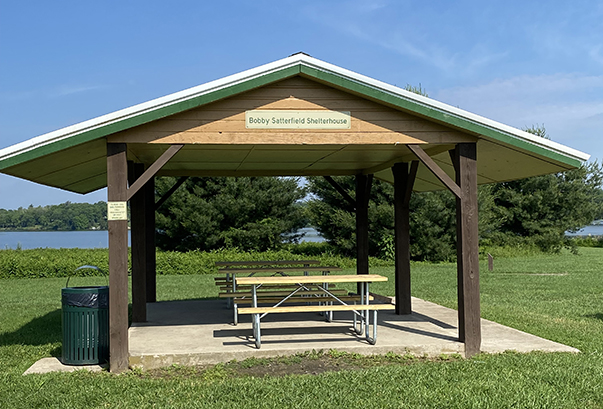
<point>90,297</point>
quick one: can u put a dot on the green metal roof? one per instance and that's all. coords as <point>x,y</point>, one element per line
<point>73,158</point>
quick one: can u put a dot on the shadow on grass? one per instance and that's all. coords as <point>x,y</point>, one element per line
<point>597,316</point>
<point>40,331</point>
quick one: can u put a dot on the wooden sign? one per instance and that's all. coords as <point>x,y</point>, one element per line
<point>286,119</point>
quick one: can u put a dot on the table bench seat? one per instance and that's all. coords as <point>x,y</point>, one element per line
<point>261,294</point>
<point>228,288</point>
<point>298,299</point>
<point>248,270</point>
<point>315,308</point>
<point>245,296</point>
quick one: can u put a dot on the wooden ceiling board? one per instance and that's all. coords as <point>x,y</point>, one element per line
<point>288,166</point>
<point>187,166</point>
<point>75,173</point>
<point>287,155</point>
<point>148,155</point>
<point>89,184</point>
<point>355,167</point>
<point>277,172</point>
<point>382,155</point>
<point>503,165</point>
<point>60,160</point>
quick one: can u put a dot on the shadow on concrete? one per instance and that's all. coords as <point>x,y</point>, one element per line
<point>417,331</point>
<point>426,318</point>
<point>341,329</point>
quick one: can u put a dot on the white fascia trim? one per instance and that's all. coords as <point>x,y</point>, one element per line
<point>447,109</point>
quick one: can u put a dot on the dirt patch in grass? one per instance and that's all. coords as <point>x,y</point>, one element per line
<point>304,367</point>
<point>309,363</point>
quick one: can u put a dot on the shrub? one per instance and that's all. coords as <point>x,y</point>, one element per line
<point>51,262</point>
<point>39,263</point>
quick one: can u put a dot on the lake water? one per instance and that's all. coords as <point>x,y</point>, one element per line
<point>54,239</point>
<point>100,238</point>
<point>82,239</point>
<point>311,235</point>
<point>588,231</point>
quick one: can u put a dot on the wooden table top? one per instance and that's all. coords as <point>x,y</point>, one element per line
<point>351,278</point>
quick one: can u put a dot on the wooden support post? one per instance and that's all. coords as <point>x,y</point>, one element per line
<point>117,191</point>
<point>138,211</point>
<point>150,249</point>
<point>403,182</point>
<point>467,248</point>
<point>363,191</point>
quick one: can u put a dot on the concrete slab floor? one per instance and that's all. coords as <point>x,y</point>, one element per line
<point>198,332</point>
<point>201,332</point>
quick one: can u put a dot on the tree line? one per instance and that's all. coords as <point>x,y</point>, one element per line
<point>65,216</point>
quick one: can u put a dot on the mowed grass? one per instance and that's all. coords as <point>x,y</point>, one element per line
<point>559,297</point>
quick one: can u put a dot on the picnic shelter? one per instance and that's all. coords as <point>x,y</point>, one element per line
<point>298,116</point>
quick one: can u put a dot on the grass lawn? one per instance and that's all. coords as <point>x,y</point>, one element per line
<point>559,297</point>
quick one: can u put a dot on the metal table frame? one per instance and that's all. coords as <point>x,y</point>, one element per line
<point>231,277</point>
<point>361,317</point>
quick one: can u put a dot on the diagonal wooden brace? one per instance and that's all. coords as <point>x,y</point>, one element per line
<point>153,169</point>
<point>167,195</point>
<point>435,169</point>
<point>341,191</point>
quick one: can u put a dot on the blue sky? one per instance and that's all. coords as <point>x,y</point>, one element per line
<point>517,62</point>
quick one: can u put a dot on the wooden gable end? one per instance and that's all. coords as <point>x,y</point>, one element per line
<point>223,122</point>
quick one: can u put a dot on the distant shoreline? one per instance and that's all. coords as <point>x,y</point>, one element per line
<point>30,239</point>
<point>44,231</point>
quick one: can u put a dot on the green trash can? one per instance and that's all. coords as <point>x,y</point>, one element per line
<point>85,321</point>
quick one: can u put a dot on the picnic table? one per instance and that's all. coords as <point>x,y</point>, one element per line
<point>228,267</point>
<point>237,294</point>
<point>329,303</point>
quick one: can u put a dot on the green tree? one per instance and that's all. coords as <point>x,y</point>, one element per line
<point>334,218</point>
<point>540,209</point>
<point>432,219</point>
<point>65,216</point>
<point>250,213</point>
